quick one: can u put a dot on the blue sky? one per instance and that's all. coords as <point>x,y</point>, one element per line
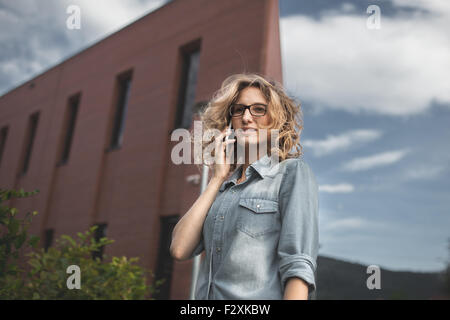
<point>376,105</point>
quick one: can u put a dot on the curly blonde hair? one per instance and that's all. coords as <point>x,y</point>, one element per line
<point>285,113</point>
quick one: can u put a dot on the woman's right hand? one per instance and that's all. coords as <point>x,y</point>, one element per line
<point>222,163</point>
<point>187,233</point>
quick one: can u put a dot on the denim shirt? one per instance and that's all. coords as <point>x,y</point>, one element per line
<point>260,232</point>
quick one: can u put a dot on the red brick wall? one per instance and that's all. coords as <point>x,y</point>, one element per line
<point>130,188</point>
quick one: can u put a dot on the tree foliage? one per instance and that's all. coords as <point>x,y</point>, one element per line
<point>47,278</point>
<point>13,238</point>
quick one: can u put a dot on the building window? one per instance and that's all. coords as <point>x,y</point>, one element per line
<point>123,93</point>
<point>188,85</point>
<point>32,127</point>
<point>48,239</point>
<point>69,127</point>
<point>100,232</point>
<point>165,260</point>
<point>3,136</point>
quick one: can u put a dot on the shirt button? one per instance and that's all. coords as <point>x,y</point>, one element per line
<point>257,205</point>
<point>221,217</point>
<point>218,249</point>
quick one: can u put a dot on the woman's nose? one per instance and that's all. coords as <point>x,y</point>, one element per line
<point>247,116</point>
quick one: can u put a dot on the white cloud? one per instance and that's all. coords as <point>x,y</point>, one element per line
<point>377,160</point>
<point>334,143</point>
<point>331,223</point>
<point>110,15</point>
<point>425,172</point>
<point>438,7</point>
<point>337,188</point>
<point>34,37</point>
<point>345,223</point>
<point>339,63</point>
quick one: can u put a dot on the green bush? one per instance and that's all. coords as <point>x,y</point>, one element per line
<point>118,279</point>
<point>47,277</point>
<point>13,239</point>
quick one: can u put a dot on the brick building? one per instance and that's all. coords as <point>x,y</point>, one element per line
<point>93,132</point>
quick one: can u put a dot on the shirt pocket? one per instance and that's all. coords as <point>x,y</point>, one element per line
<point>257,216</point>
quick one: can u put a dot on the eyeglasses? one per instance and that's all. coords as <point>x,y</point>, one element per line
<point>256,109</point>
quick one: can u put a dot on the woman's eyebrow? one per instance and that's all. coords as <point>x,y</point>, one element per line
<point>250,103</point>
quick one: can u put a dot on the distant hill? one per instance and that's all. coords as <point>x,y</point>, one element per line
<point>338,279</point>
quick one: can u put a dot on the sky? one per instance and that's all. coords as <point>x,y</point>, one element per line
<point>375,101</point>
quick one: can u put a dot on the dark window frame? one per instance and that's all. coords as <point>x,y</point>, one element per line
<point>3,136</point>
<point>33,123</point>
<point>184,109</point>
<point>99,233</point>
<point>48,238</point>
<point>69,128</point>
<point>164,267</point>
<point>122,98</point>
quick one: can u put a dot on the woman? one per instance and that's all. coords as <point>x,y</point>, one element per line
<point>258,227</point>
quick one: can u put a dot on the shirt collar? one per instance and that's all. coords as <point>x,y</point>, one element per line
<point>261,166</point>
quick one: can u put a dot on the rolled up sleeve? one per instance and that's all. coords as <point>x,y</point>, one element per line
<point>299,236</point>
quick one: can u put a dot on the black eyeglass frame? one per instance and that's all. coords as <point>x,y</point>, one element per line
<point>230,110</point>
